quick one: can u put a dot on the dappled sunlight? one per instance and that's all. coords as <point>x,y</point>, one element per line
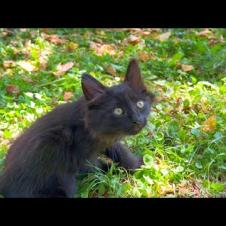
<point>183,144</point>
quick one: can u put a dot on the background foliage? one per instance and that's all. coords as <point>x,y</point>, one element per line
<point>183,145</point>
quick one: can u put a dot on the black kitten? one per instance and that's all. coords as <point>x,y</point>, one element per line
<point>45,159</point>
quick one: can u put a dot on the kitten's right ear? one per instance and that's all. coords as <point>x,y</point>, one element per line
<point>91,87</point>
<point>133,76</point>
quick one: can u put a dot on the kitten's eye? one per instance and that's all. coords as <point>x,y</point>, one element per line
<point>118,111</point>
<point>140,104</point>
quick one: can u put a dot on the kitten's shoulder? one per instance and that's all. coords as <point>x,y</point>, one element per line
<point>69,111</point>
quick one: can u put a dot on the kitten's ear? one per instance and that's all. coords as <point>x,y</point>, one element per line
<point>91,87</point>
<point>133,76</point>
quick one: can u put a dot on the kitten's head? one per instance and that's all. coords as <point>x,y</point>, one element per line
<point>119,110</point>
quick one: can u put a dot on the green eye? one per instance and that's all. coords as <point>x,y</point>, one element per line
<point>118,111</point>
<point>140,104</point>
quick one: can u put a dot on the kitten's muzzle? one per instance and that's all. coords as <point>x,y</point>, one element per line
<point>138,122</point>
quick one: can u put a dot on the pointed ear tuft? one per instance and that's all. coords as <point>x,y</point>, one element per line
<point>133,76</point>
<point>91,87</point>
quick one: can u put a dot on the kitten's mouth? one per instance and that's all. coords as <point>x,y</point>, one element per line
<point>135,130</point>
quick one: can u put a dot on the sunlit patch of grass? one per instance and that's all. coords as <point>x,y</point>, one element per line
<point>183,145</point>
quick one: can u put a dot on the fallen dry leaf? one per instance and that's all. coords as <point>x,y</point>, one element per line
<point>186,67</point>
<point>6,32</point>
<point>72,46</point>
<point>153,30</point>
<point>146,33</point>
<point>210,124</point>
<point>144,56</point>
<point>54,39</point>
<point>205,33</point>
<point>196,189</point>
<point>167,189</point>
<point>102,49</point>
<point>23,29</point>
<point>43,59</point>
<point>68,96</point>
<point>120,54</point>
<point>213,40</point>
<point>62,68</point>
<point>27,66</point>
<point>45,30</point>
<point>8,63</point>
<point>164,36</point>
<point>110,70</point>
<point>12,89</point>
<point>43,62</point>
<point>143,32</point>
<point>27,43</point>
<point>27,79</point>
<point>14,42</point>
<point>134,40</point>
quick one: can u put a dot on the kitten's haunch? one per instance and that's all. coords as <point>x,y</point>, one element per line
<point>45,160</point>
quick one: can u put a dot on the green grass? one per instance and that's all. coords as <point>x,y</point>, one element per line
<point>183,145</point>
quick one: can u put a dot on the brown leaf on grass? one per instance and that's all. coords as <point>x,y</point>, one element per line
<point>6,32</point>
<point>45,30</point>
<point>120,54</point>
<point>54,39</point>
<point>146,33</point>
<point>196,189</point>
<point>110,70</point>
<point>72,46</point>
<point>153,30</point>
<point>213,40</point>
<point>189,188</point>
<point>143,32</point>
<point>106,195</point>
<point>27,66</point>
<point>210,124</point>
<point>164,36</point>
<point>134,40</point>
<point>167,189</point>
<point>63,68</point>
<point>43,58</point>
<point>8,63</point>
<point>186,67</point>
<point>43,62</point>
<point>179,101</point>
<point>27,79</point>
<point>12,89</point>
<point>102,49</point>
<point>145,56</point>
<point>14,42</point>
<point>23,29</point>
<point>205,33</point>
<point>68,96</point>
<point>183,189</point>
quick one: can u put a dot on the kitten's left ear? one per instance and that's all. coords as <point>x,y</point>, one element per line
<point>133,76</point>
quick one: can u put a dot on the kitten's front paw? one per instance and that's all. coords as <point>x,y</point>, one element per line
<point>137,163</point>
<point>140,162</point>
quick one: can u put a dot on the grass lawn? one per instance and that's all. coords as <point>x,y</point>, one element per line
<point>183,145</point>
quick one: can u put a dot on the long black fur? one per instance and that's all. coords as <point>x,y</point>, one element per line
<point>45,160</point>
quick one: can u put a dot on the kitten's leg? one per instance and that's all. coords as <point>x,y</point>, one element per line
<point>120,154</point>
<point>91,168</point>
<point>68,184</point>
<point>63,186</point>
<point>103,165</point>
